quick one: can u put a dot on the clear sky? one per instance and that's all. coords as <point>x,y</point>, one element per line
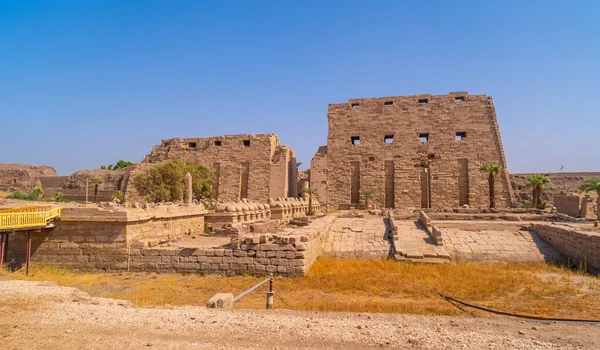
<point>85,83</point>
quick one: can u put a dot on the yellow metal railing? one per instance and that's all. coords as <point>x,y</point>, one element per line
<point>25,217</point>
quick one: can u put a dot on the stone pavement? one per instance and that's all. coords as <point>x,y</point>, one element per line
<point>498,245</point>
<point>413,242</point>
<point>358,238</point>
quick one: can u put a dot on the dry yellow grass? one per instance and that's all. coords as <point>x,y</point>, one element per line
<point>363,286</point>
<point>4,194</point>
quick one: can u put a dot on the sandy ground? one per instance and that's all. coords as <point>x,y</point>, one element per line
<point>41,315</point>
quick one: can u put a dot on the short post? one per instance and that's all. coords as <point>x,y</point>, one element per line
<point>270,293</point>
<point>28,256</point>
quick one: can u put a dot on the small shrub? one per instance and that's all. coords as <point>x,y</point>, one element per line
<point>58,196</point>
<point>118,195</point>
<point>23,196</point>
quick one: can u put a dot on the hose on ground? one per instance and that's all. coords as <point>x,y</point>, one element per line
<point>531,317</point>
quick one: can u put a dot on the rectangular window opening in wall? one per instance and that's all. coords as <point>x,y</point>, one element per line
<point>459,99</point>
<point>218,143</point>
<point>355,140</point>
<point>246,143</point>
<point>388,103</point>
<point>389,139</point>
<point>423,101</point>
<point>461,135</point>
<point>192,144</point>
<point>423,138</point>
<point>355,105</point>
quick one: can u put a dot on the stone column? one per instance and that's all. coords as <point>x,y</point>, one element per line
<point>187,195</point>
<point>305,185</point>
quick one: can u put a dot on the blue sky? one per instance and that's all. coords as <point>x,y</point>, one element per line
<point>85,83</point>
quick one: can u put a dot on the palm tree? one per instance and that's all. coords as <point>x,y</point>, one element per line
<point>589,185</point>
<point>97,182</point>
<point>310,192</point>
<point>492,169</point>
<point>368,194</point>
<point>537,183</point>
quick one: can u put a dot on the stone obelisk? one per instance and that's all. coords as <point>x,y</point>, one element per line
<point>187,195</point>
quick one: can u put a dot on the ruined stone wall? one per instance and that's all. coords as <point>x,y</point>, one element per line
<point>318,175</point>
<point>22,177</point>
<point>567,205</point>
<point>256,167</point>
<point>406,149</point>
<point>290,254</point>
<point>565,183</point>
<point>106,243</point>
<point>98,238</point>
<point>73,187</point>
<point>583,246</point>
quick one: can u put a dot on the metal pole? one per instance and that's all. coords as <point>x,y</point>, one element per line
<point>28,254</point>
<point>270,293</point>
<point>1,249</point>
<point>6,246</point>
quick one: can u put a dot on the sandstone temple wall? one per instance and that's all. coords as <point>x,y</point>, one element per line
<point>285,253</point>
<point>318,174</point>
<point>582,246</point>
<point>414,151</point>
<point>97,238</point>
<point>256,167</point>
<point>118,238</point>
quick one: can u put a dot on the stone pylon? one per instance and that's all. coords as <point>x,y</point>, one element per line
<point>187,194</point>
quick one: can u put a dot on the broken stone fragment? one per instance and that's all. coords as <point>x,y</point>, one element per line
<point>220,301</point>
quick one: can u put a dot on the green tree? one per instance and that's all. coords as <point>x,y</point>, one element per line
<point>102,167</point>
<point>165,182</point>
<point>122,164</point>
<point>537,183</point>
<point>493,169</point>
<point>97,182</point>
<point>591,185</point>
<point>310,192</point>
<point>368,194</point>
<point>58,196</point>
<point>110,167</point>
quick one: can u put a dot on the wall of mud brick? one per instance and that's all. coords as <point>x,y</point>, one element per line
<point>579,245</point>
<point>289,253</point>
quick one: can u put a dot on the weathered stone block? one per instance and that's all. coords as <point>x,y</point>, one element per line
<point>220,300</point>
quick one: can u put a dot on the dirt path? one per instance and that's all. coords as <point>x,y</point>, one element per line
<point>40,315</point>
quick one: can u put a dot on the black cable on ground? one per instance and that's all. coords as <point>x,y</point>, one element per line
<point>288,305</point>
<point>531,317</point>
